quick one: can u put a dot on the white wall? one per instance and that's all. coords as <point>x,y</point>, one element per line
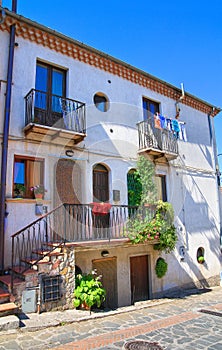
<point>190,178</point>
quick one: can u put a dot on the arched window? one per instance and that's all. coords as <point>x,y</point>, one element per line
<point>101,102</point>
<point>134,188</point>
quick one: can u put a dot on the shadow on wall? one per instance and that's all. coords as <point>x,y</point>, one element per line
<point>201,225</point>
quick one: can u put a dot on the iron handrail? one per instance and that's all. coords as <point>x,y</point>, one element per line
<point>70,223</point>
<point>53,110</point>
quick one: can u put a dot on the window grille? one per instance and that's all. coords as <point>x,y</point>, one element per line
<point>51,288</point>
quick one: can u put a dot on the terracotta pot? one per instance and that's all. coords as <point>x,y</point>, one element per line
<point>84,306</point>
<point>38,196</point>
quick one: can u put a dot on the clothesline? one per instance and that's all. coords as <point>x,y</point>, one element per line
<point>175,126</point>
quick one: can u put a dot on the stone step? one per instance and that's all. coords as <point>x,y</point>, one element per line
<point>8,309</point>
<point>4,296</point>
<point>9,322</point>
<point>55,252</point>
<point>3,293</point>
<point>44,260</point>
<point>56,247</point>
<point>22,270</point>
<point>6,280</point>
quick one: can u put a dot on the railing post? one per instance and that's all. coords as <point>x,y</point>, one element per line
<point>12,265</point>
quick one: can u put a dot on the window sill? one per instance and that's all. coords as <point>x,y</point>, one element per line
<point>27,201</point>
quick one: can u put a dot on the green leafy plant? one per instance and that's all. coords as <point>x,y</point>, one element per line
<point>146,175</point>
<point>161,267</point>
<point>157,225</point>
<point>200,259</point>
<point>89,290</point>
<point>19,190</point>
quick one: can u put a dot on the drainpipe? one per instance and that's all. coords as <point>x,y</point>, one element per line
<point>5,138</point>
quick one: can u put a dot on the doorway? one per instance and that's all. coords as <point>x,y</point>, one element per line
<point>108,269</point>
<point>139,277</point>
<point>101,222</point>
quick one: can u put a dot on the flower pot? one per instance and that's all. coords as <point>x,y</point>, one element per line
<point>84,306</point>
<point>38,196</point>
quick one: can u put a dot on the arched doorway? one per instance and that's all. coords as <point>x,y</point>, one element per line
<point>134,188</point>
<point>100,183</point>
<point>101,222</point>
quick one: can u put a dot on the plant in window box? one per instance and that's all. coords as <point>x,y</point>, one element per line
<point>19,190</point>
<point>39,191</point>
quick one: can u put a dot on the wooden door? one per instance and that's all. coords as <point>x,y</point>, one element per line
<point>101,194</point>
<point>108,269</point>
<point>100,184</point>
<point>139,278</point>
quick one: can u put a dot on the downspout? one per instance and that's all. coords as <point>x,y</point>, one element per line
<point>5,138</point>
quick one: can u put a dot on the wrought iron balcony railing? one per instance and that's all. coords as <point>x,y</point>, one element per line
<point>159,140</point>
<point>75,223</point>
<point>54,111</point>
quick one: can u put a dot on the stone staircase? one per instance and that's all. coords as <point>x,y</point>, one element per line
<point>26,276</point>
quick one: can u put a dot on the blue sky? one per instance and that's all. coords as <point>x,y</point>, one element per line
<point>177,41</point>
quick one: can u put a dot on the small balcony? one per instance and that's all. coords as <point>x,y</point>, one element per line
<point>160,145</point>
<point>54,119</point>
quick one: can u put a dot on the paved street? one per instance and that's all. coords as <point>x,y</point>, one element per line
<point>175,323</point>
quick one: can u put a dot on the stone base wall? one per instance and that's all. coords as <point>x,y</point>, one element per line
<point>62,265</point>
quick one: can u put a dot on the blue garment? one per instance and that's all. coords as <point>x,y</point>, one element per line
<point>162,121</point>
<point>175,125</point>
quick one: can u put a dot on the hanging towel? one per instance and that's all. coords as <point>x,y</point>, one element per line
<point>157,123</point>
<point>168,123</point>
<point>162,121</point>
<point>183,132</point>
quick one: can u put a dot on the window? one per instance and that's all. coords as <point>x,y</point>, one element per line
<point>150,108</point>
<point>51,288</point>
<point>50,86</point>
<point>101,102</point>
<point>161,187</point>
<point>28,172</point>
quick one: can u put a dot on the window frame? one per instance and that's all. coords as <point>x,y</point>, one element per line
<point>163,184</point>
<point>102,105</point>
<point>50,68</point>
<point>27,173</point>
<point>147,110</point>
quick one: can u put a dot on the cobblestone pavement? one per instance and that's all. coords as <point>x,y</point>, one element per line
<point>175,324</point>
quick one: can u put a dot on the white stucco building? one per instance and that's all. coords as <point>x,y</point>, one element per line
<point>79,120</point>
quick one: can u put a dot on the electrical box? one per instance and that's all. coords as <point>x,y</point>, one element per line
<point>29,301</point>
<point>116,195</point>
<point>38,209</point>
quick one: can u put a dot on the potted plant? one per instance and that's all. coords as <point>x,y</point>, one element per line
<point>89,291</point>
<point>39,191</point>
<point>200,259</point>
<point>19,190</point>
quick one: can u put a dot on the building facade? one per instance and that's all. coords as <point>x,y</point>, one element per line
<point>79,120</point>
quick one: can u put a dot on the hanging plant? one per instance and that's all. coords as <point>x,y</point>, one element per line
<point>161,267</point>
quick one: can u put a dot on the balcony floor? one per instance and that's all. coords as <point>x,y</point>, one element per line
<point>42,133</point>
<point>156,155</point>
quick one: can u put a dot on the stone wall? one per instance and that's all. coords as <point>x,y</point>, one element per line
<point>62,265</point>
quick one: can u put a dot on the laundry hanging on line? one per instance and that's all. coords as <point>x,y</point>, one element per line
<point>175,126</point>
